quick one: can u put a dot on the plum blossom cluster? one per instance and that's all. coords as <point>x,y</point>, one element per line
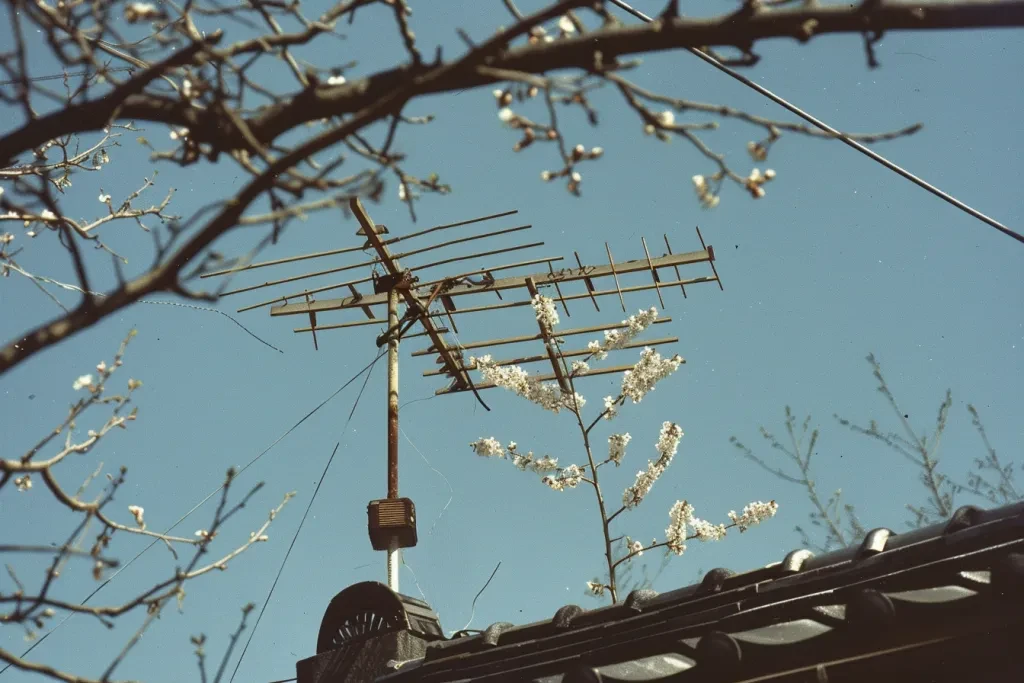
<point>648,371</point>
<point>617,447</point>
<point>709,199</point>
<point>545,309</point>
<point>611,407</point>
<point>580,368</point>
<point>681,516</point>
<point>667,446</point>
<point>489,447</point>
<point>755,513</point>
<point>527,461</point>
<point>512,377</point>
<point>138,513</point>
<point>569,477</point>
<point>617,339</point>
<point>756,180</point>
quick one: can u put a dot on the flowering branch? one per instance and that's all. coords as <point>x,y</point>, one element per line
<point>650,369</point>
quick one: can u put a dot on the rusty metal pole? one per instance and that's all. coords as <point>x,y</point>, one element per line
<point>393,550</point>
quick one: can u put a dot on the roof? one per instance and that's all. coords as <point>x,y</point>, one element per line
<point>937,601</point>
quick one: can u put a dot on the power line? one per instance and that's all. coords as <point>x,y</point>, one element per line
<point>832,131</point>
<point>196,507</point>
<point>302,521</point>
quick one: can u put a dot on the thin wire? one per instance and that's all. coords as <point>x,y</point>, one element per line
<point>472,611</point>
<point>212,310</point>
<point>280,570</point>
<point>37,279</point>
<point>194,508</point>
<point>67,75</point>
<point>451,491</point>
<point>415,580</point>
<point>829,129</point>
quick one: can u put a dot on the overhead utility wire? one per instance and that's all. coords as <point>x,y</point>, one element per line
<point>832,131</point>
<point>302,521</point>
<point>197,506</point>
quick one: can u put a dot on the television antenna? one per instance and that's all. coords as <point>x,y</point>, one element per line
<point>430,307</point>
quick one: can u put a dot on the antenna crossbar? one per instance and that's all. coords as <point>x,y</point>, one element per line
<point>349,250</point>
<point>376,261</point>
<point>350,283</point>
<point>512,304</point>
<point>542,279</point>
<point>536,337</point>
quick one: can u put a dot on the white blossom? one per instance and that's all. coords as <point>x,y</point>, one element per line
<point>204,534</point>
<point>546,176</point>
<point>595,587</point>
<point>141,11</point>
<point>569,477</point>
<point>24,482</point>
<point>517,380</point>
<point>754,513</point>
<point>545,309</point>
<point>178,134</point>
<point>6,238</point>
<point>566,25</point>
<point>667,446</point>
<point>82,382</point>
<point>617,339</point>
<point>47,215</point>
<point>580,368</point>
<point>679,516</point>
<point>611,408</point>
<point>668,441</point>
<point>637,548</point>
<point>757,151</point>
<point>706,531</point>
<point>617,447</point>
<point>104,198</point>
<point>137,513</point>
<point>487,447</point>
<point>101,367</point>
<point>708,199</point>
<point>755,181</point>
<point>335,79</point>
<point>528,462</point>
<point>596,152</point>
<point>634,495</point>
<point>648,371</point>
<point>667,118</point>
<point>506,115</point>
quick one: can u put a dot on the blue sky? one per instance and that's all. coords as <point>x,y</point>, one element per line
<point>841,258</point>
